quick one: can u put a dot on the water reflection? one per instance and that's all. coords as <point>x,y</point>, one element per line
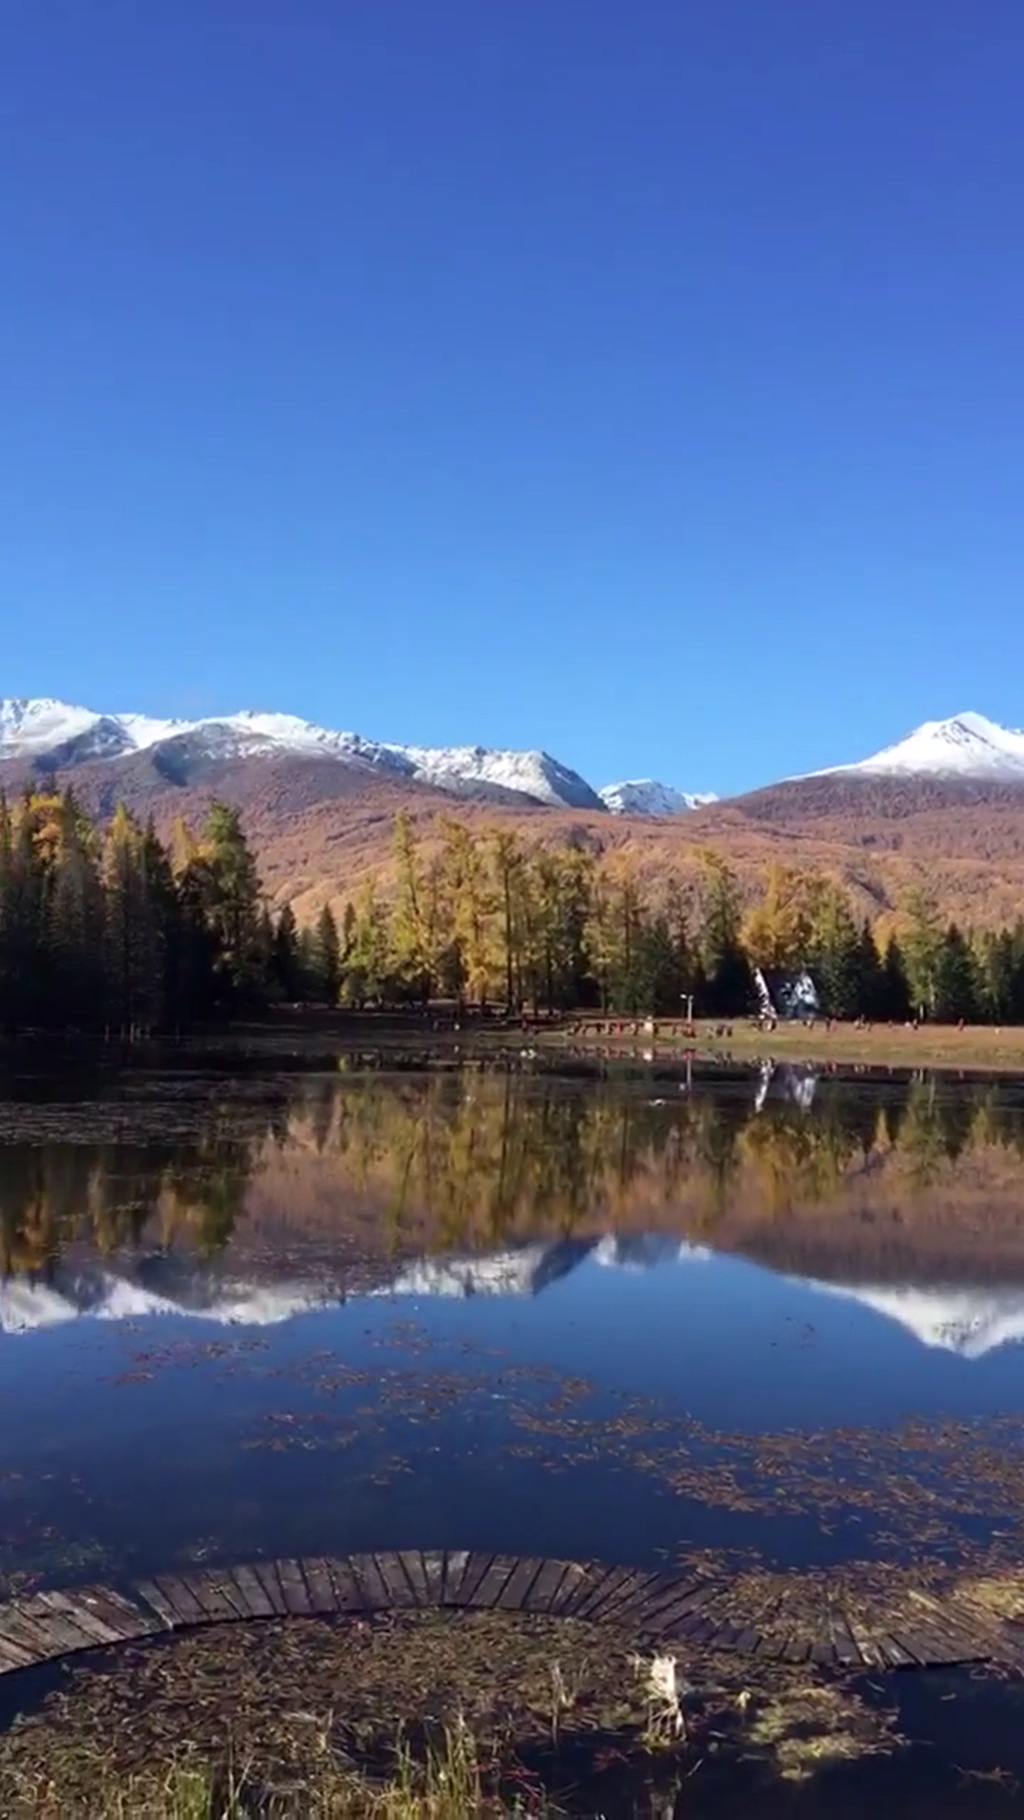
<point>624,1315</point>
<point>823,1177</point>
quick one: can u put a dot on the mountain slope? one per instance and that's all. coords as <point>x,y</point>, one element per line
<point>968,747</point>
<point>51,735</point>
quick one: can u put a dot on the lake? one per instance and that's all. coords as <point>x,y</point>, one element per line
<point>756,1319</point>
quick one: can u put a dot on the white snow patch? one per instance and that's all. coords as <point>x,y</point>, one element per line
<point>644,796</point>
<point>966,746</point>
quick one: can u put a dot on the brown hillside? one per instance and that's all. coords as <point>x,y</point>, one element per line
<point>322,828</point>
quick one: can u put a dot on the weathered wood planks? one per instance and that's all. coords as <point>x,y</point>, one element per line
<point>665,1610</point>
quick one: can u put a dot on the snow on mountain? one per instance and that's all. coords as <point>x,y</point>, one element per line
<point>61,736</point>
<point>965,1320</point>
<point>969,1322</point>
<point>643,796</point>
<point>968,746</point>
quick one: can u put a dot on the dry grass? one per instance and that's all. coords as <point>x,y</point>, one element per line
<point>980,1047</point>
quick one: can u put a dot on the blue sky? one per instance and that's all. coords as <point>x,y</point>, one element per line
<point>639,381</point>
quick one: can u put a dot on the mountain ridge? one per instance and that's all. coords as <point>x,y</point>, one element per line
<point>51,735</point>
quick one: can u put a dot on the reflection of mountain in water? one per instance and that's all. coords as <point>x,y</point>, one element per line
<point>967,1321</point>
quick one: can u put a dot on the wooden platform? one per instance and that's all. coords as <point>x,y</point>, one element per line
<point>669,1611</point>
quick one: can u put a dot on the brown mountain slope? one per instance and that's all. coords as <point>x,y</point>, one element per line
<point>321,828</point>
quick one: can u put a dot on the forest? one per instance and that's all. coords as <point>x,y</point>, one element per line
<point>111,927</point>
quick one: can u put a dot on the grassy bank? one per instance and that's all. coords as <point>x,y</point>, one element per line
<point>980,1046</point>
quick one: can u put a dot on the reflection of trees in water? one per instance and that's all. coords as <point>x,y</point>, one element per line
<point>483,1157</point>
<point>54,1195</point>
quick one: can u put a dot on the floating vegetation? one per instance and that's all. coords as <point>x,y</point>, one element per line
<point>492,1709</point>
<point>805,1729</point>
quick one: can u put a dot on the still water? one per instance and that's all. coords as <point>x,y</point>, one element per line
<point>620,1315</point>
<point>753,1318</point>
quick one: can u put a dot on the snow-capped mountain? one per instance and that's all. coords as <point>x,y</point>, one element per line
<point>966,747</point>
<point>968,1321</point>
<point>52,734</point>
<point>643,796</point>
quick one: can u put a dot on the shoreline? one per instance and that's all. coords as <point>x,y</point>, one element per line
<point>976,1049</point>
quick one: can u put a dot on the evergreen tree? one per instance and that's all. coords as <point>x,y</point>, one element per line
<point>328,956</point>
<point>955,986</point>
<point>727,981</point>
<point>836,954</point>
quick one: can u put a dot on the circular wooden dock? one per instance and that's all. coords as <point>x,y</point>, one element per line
<point>667,1611</point>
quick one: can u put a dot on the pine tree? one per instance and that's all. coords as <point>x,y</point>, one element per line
<point>285,971</point>
<point>955,979</point>
<point>723,959</point>
<point>836,953</point>
<point>328,956</point>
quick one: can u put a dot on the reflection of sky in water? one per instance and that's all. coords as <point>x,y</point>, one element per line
<point>322,1398</point>
<point>183,1425</point>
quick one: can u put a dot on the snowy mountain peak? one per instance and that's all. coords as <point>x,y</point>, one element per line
<point>643,796</point>
<point>965,746</point>
<point>55,735</point>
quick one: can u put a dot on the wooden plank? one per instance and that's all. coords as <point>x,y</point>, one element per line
<point>433,1572</point>
<point>727,1636</point>
<point>114,1608</point>
<point>622,1592</point>
<point>920,1649</point>
<point>674,1616</point>
<point>180,1598</point>
<point>489,1589</point>
<point>926,1640</point>
<point>416,1574</point>
<point>476,1567</point>
<point>150,1591</point>
<point>547,1585</point>
<point>627,1604</point>
<point>320,1586</point>
<point>251,1591</point>
<point>267,1575</point>
<point>455,1560</point>
<point>13,1656</point>
<point>847,1654</point>
<point>231,1591</point>
<point>515,1594</point>
<point>602,1592</point>
<point>19,1639</point>
<point>371,1583</point>
<point>348,1593</point>
<point>33,1634</point>
<point>395,1578</point>
<point>954,1628</point>
<point>797,1649</point>
<point>771,1645</point>
<point>574,1575</point>
<point>867,1646</point>
<point>65,1635</point>
<point>594,1576</point>
<point>698,1629</point>
<point>293,1586</point>
<point>894,1655</point>
<point>79,1613</point>
<point>205,1587</point>
<point>1008,1647</point>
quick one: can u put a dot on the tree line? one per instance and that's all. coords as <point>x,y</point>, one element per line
<point>437,1161</point>
<point>495,918</point>
<point>110,926</point>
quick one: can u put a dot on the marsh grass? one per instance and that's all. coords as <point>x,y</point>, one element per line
<point>451,1779</point>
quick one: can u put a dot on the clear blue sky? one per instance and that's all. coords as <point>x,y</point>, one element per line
<point>639,380</point>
